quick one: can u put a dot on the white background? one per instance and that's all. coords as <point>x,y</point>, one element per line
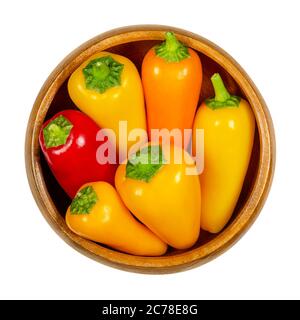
<point>36,35</point>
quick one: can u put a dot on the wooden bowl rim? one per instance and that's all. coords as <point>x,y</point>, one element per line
<point>164,264</point>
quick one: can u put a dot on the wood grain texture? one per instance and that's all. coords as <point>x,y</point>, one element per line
<point>134,42</point>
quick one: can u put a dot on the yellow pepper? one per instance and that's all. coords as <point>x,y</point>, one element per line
<point>160,193</point>
<point>229,126</point>
<point>97,213</point>
<point>107,87</point>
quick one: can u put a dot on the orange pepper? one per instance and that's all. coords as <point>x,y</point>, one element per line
<point>97,213</point>
<point>172,78</point>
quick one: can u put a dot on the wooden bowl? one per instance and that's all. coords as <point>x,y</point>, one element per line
<point>133,42</point>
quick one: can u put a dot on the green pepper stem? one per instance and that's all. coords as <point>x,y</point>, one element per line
<point>221,93</point>
<point>102,73</point>
<point>57,132</point>
<point>171,49</point>
<point>222,99</point>
<point>172,44</point>
<point>145,164</point>
<point>84,201</point>
<point>100,70</point>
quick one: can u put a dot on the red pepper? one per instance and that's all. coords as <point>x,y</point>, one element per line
<point>69,144</point>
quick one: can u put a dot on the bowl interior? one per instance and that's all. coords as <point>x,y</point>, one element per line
<point>135,51</point>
